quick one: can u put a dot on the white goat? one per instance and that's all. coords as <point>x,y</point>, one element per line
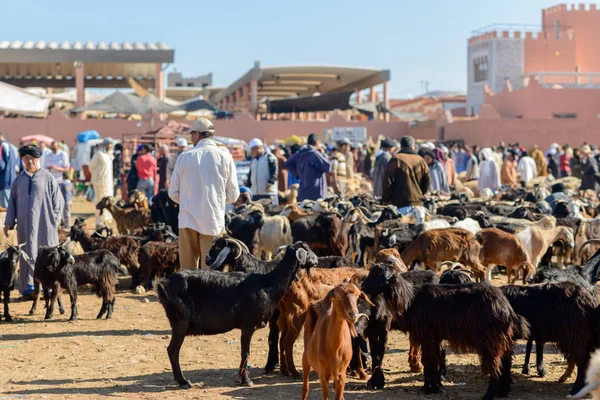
<point>274,233</point>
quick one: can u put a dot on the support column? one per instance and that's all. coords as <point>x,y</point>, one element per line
<point>244,102</point>
<point>254,96</point>
<point>80,86</point>
<point>159,82</point>
<point>372,94</point>
<point>239,100</point>
<point>358,96</point>
<point>386,101</point>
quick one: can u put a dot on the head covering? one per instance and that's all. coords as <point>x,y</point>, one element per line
<point>255,143</point>
<point>486,153</point>
<point>30,150</point>
<point>201,125</point>
<point>429,153</point>
<point>558,188</point>
<point>586,149</point>
<point>244,189</point>
<point>106,142</point>
<point>344,141</point>
<point>388,144</point>
<point>439,155</point>
<point>182,142</point>
<point>445,149</point>
<point>429,145</point>
<point>140,147</point>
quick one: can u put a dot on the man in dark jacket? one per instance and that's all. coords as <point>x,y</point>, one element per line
<point>381,162</point>
<point>8,171</point>
<point>406,179</point>
<point>590,170</point>
<point>311,167</point>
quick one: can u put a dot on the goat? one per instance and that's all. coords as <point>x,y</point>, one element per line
<point>392,257</point>
<point>439,245</point>
<point>125,248</point>
<point>589,229</point>
<point>127,219</point>
<point>328,332</point>
<point>293,212</point>
<point>273,233</point>
<point>165,210</point>
<point>592,378</point>
<point>9,262</point>
<point>537,241</point>
<point>326,234</point>
<point>56,268</point>
<point>245,228</point>
<point>206,302</point>
<point>157,259</point>
<point>472,317</point>
<point>560,313</point>
<point>501,248</point>
<point>455,275</point>
<point>294,306</point>
<point>138,200</point>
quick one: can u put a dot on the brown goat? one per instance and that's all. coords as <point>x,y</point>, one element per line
<point>391,256</point>
<point>138,200</point>
<point>328,333</point>
<point>450,244</point>
<point>502,248</point>
<point>294,306</point>
<point>293,212</point>
<point>157,259</point>
<point>127,219</point>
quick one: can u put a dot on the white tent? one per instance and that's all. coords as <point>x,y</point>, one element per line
<point>17,101</point>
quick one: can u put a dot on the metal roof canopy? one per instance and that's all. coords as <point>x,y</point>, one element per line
<point>304,80</point>
<point>51,64</point>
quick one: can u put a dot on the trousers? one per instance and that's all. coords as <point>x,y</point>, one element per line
<point>193,248</point>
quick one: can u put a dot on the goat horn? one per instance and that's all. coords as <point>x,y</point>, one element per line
<point>590,241</point>
<point>442,265</point>
<point>66,243</point>
<point>363,315</point>
<point>240,245</point>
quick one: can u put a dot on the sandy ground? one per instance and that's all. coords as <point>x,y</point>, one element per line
<point>126,358</point>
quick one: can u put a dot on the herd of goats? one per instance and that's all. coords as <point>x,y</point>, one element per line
<point>348,271</point>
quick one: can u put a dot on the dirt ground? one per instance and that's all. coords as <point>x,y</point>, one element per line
<point>126,358</point>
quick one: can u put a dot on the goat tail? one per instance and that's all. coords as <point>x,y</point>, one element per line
<point>522,328</point>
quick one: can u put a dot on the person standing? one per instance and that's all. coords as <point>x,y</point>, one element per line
<point>339,168</point>
<point>489,176</point>
<point>450,167</point>
<point>565,161</point>
<point>540,161</point>
<point>262,177</point>
<point>118,166</point>
<point>345,148</point>
<point>8,170</point>
<point>282,172</point>
<point>146,171</point>
<point>132,176</point>
<point>527,168</point>
<point>101,168</point>
<point>311,167</point>
<point>472,165</point>
<point>204,180</point>
<point>66,188</point>
<point>182,145</point>
<point>508,173</point>
<point>576,164</point>
<point>406,180</point>
<point>35,208</point>
<point>590,170</point>
<point>437,174</point>
<point>163,162</point>
<point>56,161</point>
<point>387,147</point>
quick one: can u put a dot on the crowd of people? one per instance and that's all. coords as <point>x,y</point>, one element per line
<point>36,183</point>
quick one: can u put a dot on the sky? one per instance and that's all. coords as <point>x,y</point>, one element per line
<point>418,41</point>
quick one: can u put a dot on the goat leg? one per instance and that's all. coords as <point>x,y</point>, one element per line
<point>525,370</point>
<point>273,358</point>
<point>305,376</point>
<point>36,295</point>
<point>283,368</point>
<point>50,310</point>
<point>177,337</point>
<point>6,299</point>
<point>377,345</point>
<point>580,379</point>
<point>539,359</point>
<point>103,309</point>
<point>61,309</point>
<point>505,377</point>
<point>443,370</point>
<point>244,374</point>
<point>568,373</point>
<point>339,382</point>
<point>111,309</point>
<point>414,357</point>
<point>73,296</point>
<point>431,367</point>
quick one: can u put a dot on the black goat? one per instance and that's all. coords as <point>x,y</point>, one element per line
<point>157,259</point>
<point>245,228</point>
<point>456,275</point>
<point>561,313</point>
<point>9,262</point>
<point>165,210</point>
<point>472,318</point>
<point>206,302</point>
<point>55,267</point>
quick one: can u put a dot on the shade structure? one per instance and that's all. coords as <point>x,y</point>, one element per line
<point>324,102</point>
<point>18,101</point>
<point>195,105</point>
<point>125,103</point>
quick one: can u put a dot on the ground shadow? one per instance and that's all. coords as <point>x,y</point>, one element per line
<point>115,332</point>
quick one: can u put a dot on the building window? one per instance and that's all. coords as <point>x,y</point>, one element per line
<point>564,115</point>
<point>190,84</point>
<point>178,84</point>
<point>480,65</point>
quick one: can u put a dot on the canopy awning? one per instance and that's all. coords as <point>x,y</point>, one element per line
<point>17,101</point>
<point>324,102</point>
<point>125,103</point>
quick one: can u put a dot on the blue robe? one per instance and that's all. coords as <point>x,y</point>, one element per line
<point>35,207</point>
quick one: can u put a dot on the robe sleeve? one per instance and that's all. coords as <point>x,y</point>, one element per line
<point>57,201</point>
<point>11,213</point>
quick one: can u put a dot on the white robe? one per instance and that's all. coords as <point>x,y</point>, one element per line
<point>527,168</point>
<point>489,175</point>
<point>101,168</point>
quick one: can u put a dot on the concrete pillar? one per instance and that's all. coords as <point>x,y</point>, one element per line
<point>358,96</point>
<point>372,94</point>
<point>159,82</point>
<point>245,91</point>
<point>239,99</point>
<point>80,86</point>
<point>253,96</point>
<point>386,100</point>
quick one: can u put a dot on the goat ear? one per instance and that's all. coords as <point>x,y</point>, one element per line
<point>328,300</point>
<point>301,255</point>
<point>365,298</point>
<point>53,260</point>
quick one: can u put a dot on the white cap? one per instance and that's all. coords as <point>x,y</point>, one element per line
<point>429,145</point>
<point>255,143</point>
<point>182,142</point>
<point>201,125</point>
